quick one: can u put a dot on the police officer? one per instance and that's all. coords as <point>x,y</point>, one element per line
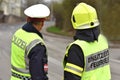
<point>87,58</point>
<point>28,51</point>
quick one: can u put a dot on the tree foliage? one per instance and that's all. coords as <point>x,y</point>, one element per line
<point>108,14</point>
<point>58,13</point>
<point>109,17</point>
<point>32,2</point>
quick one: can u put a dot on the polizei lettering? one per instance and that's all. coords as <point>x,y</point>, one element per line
<point>97,60</point>
<point>19,42</point>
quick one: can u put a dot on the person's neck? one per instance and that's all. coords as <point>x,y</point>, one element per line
<point>38,27</point>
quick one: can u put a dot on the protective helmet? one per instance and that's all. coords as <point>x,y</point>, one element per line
<point>84,16</point>
<point>37,11</point>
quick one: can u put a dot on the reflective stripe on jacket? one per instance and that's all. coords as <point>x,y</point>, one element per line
<point>96,59</point>
<point>22,43</point>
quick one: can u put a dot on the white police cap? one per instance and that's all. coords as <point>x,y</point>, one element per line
<point>37,11</point>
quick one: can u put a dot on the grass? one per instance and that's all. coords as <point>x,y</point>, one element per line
<point>56,30</point>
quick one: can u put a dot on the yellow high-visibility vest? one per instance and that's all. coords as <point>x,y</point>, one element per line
<point>22,43</point>
<point>96,59</point>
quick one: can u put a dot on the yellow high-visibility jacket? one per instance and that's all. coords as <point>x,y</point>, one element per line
<point>20,48</point>
<point>96,59</point>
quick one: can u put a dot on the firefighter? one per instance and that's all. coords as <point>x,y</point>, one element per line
<point>87,57</point>
<point>28,50</point>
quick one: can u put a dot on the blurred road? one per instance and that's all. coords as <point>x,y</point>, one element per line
<point>56,48</point>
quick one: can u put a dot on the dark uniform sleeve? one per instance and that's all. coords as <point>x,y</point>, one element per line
<point>75,57</point>
<point>38,59</point>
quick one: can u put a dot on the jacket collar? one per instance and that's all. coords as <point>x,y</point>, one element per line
<point>88,35</point>
<point>30,28</point>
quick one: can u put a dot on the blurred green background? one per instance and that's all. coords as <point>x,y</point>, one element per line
<point>108,13</point>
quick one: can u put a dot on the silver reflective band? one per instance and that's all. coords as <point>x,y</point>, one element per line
<point>31,45</point>
<point>97,60</point>
<point>28,48</point>
<point>86,26</point>
<point>74,69</point>
<point>21,70</point>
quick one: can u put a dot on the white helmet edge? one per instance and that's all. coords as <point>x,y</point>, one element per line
<point>37,11</point>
